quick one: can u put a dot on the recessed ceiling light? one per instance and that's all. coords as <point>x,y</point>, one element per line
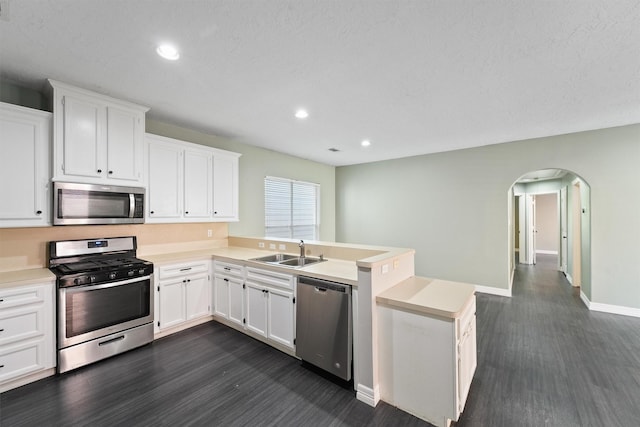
<point>168,52</point>
<point>302,114</point>
<point>365,143</point>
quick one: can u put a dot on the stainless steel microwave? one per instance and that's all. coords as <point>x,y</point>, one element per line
<point>84,204</point>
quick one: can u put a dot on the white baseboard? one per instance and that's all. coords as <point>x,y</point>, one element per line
<point>367,395</point>
<point>569,278</point>
<point>542,251</point>
<point>609,308</point>
<point>493,291</point>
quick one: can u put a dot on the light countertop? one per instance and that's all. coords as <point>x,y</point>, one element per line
<point>25,277</point>
<point>332,269</point>
<point>435,297</point>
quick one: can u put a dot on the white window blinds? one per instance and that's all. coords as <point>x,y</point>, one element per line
<point>291,208</point>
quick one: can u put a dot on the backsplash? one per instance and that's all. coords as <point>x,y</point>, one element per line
<point>22,248</point>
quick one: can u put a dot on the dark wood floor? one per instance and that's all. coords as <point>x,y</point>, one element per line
<point>543,360</point>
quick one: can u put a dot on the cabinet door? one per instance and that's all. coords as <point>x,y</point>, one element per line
<point>281,317</point>
<point>124,147</point>
<point>197,185</point>
<point>197,296</point>
<point>221,299</point>
<point>257,309</point>
<point>165,181</point>
<point>467,361</point>
<point>84,143</point>
<point>172,303</point>
<point>225,187</point>
<point>236,301</point>
<point>24,166</point>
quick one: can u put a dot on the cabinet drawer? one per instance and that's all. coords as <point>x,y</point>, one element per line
<point>225,269</point>
<point>182,269</point>
<point>20,296</point>
<point>26,322</point>
<point>21,359</point>
<point>269,277</point>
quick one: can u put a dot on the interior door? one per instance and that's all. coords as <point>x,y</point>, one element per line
<point>522,258</point>
<point>564,241</point>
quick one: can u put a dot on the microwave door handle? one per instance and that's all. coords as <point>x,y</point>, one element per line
<point>132,205</point>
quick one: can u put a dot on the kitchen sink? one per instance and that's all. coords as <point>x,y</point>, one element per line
<point>300,262</point>
<point>286,260</point>
<point>275,258</point>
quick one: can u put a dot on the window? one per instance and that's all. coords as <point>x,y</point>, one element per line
<point>291,208</point>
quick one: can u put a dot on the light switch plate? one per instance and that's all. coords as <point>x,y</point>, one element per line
<point>261,244</point>
<point>272,246</point>
<point>283,247</point>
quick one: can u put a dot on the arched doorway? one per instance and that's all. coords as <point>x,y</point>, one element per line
<point>567,222</point>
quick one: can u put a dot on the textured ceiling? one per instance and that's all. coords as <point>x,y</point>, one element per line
<point>414,77</point>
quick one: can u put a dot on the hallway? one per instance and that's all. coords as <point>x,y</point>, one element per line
<point>544,359</point>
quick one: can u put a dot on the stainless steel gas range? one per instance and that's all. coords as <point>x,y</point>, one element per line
<point>105,299</point>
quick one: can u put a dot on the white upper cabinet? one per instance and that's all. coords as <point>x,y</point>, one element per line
<point>197,184</point>
<point>25,140</point>
<point>225,186</point>
<point>165,175</point>
<point>190,182</point>
<point>96,138</point>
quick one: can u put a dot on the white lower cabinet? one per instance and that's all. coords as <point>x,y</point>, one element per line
<point>183,292</point>
<point>27,333</point>
<point>426,363</point>
<point>271,305</point>
<point>229,292</point>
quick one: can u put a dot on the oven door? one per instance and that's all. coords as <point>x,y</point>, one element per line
<point>88,312</point>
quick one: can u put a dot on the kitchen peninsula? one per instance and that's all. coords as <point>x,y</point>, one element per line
<point>370,271</point>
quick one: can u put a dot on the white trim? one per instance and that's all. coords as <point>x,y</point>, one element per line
<point>609,308</point>
<point>367,395</point>
<point>493,291</point>
<point>542,251</point>
<point>569,278</point>
<point>19,382</point>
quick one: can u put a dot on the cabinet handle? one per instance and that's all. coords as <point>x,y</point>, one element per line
<point>1,300</point>
<point>226,280</point>
<point>227,268</point>
<point>99,170</point>
<point>38,212</point>
<point>1,366</point>
<point>188,280</point>
<point>184,281</point>
<point>110,172</point>
<point>2,330</point>
<point>186,213</point>
<point>152,212</point>
<point>215,212</point>
<point>185,269</point>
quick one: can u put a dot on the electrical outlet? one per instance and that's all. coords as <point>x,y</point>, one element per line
<point>396,263</point>
<point>272,246</point>
<point>209,233</point>
<point>283,247</point>
<point>385,268</point>
<point>261,245</point>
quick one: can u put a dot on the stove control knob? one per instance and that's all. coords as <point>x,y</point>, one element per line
<point>131,273</point>
<point>77,281</point>
<point>112,275</point>
<point>141,271</point>
<point>92,279</point>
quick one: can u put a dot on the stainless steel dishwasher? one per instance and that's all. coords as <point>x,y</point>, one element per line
<point>323,325</point>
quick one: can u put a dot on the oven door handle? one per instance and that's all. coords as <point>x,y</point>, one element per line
<point>84,288</point>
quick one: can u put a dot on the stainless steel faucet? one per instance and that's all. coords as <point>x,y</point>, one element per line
<point>301,246</point>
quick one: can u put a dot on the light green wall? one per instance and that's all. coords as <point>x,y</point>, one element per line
<point>453,207</point>
<point>255,164</point>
